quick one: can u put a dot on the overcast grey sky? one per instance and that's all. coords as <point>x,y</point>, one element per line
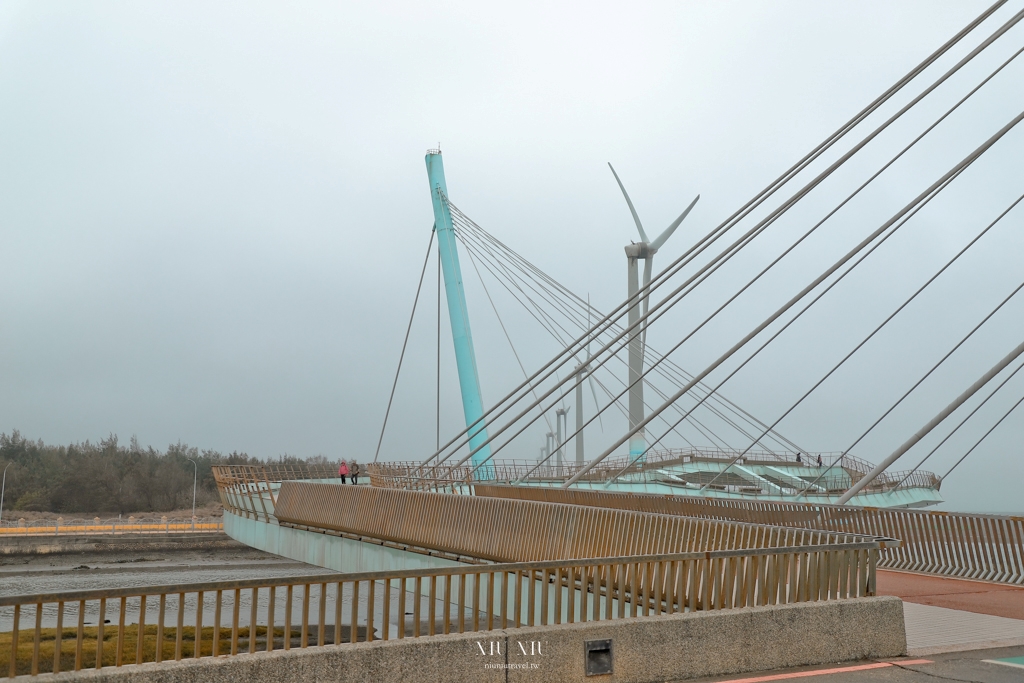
<point>213,215</point>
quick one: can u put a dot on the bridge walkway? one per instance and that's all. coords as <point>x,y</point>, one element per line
<point>1003,665</point>
<point>950,615</point>
<point>957,630</point>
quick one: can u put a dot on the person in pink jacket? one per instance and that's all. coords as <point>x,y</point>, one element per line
<point>343,471</point>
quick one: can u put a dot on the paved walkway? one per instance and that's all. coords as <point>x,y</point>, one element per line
<point>978,666</point>
<point>957,630</point>
<point>960,594</point>
<point>937,629</point>
<point>951,615</point>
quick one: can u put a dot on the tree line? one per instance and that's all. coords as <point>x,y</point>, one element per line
<point>110,477</point>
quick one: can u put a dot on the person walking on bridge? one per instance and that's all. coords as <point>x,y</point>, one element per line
<point>343,471</point>
<point>355,472</point>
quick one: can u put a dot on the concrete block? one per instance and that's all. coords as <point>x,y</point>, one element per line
<point>645,650</point>
<point>700,644</point>
<point>442,659</point>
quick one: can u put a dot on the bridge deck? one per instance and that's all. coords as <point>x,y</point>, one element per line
<point>953,615</point>
<point>979,597</point>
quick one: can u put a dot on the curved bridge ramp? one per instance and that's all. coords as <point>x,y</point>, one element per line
<point>953,544</point>
<point>506,530</point>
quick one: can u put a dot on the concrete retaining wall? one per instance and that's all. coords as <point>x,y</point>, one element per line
<point>644,650</point>
<point>325,550</point>
<point>54,545</point>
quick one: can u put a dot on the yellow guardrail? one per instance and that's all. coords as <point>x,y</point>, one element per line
<point>113,528</point>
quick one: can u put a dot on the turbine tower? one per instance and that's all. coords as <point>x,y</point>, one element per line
<point>644,249</point>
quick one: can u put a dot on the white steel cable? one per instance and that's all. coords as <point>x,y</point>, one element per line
<point>472,248</point>
<point>983,437</point>
<point>878,328</point>
<point>936,186</point>
<point>405,343</point>
<point>704,243</point>
<point>957,428</point>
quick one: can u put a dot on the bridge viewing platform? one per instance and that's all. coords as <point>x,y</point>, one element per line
<point>706,472</point>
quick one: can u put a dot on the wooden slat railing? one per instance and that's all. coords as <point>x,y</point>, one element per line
<point>504,530</point>
<point>955,544</point>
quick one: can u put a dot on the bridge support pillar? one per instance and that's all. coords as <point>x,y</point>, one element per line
<point>462,337</point>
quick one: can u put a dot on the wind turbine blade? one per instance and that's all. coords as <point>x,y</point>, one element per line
<point>597,405</point>
<point>636,219</point>
<point>656,244</point>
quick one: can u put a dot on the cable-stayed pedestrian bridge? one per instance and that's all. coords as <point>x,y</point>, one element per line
<point>777,271</point>
<point>690,505</point>
<point>696,505</point>
<point>490,522</point>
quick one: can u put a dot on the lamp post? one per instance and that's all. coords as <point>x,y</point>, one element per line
<point>195,480</point>
<point>3,489</point>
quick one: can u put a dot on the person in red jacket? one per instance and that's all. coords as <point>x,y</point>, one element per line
<point>343,471</point>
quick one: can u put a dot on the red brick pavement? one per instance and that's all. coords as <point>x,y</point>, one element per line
<point>971,596</point>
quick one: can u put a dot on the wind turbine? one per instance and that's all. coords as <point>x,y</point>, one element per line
<point>583,371</point>
<point>644,249</point>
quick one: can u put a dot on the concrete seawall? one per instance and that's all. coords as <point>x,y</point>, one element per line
<point>325,550</point>
<point>131,543</point>
<point>641,650</point>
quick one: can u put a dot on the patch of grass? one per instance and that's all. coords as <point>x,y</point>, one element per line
<point>129,645</point>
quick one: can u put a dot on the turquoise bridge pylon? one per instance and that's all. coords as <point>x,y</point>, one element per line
<point>462,337</point>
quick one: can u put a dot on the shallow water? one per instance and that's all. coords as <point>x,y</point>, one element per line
<point>56,573</point>
<point>82,571</point>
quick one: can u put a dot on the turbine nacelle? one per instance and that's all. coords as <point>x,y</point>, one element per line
<point>640,250</point>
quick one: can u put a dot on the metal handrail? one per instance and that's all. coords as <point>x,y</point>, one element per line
<point>231,584</point>
<point>444,478</point>
<point>451,599</point>
<point>275,472</point>
<point>503,530</point>
<point>955,544</point>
